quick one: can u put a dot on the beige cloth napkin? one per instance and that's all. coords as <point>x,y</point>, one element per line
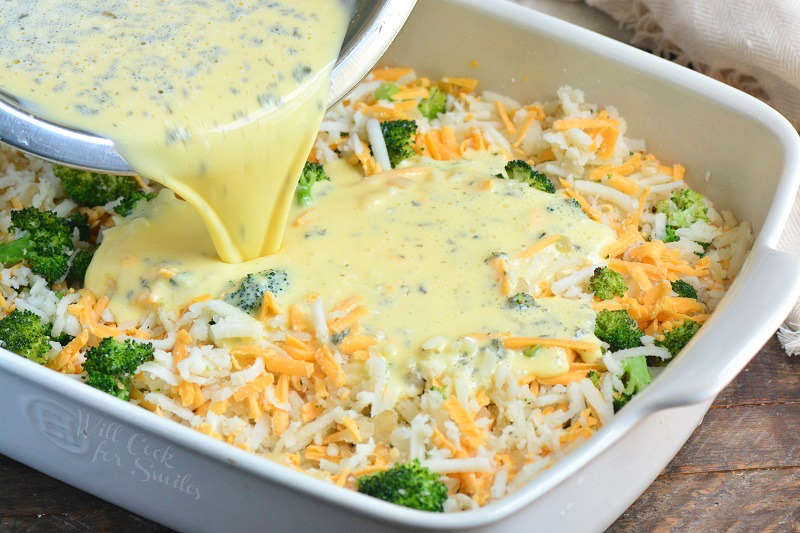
<point>753,45</point>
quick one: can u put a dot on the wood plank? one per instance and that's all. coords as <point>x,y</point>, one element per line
<point>771,377</point>
<point>33,502</point>
<point>754,500</point>
<point>745,437</point>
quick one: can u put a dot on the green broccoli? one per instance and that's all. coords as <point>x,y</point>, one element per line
<point>636,376</point>
<point>618,329</point>
<point>44,242</point>
<point>676,338</point>
<point>606,283</point>
<point>110,365</point>
<point>386,91</point>
<point>399,138</point>
<point>312,173</point>
<point>530,351</point>
<point>684,289</point>
<point>671,236</point>
<point>24,333</point>
<point>594,377</point>
<point>62,339</point>
<point>91,189</point>
<point>441,390</point>
<point>521,171</point>
<point>250,292</point>
<point>434,104</point>
<point>128,203</point>
<point>683,208</point>
<point>408,484</point>
<point>77,269</point>
<point>521,301</point>
<point>80,221</point>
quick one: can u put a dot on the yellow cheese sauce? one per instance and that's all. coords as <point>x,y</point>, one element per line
<point>415,244</point>
<point>218,100</point>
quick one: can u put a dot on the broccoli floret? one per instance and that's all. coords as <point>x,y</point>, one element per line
<point>91,189</point>
<point>618,329</point>
<point>434,104</point>
<point>684,289</point>
<point>441,390</point>
<point>676,338</point>
<point>521,301</point>
<point>399,138</point>
<point>636,376</point>
<point>671,235</point>
<point>683,208</point>
<point>250,292</point>
<point>80,221</point>
<point>110,365</point>
<point>24,333</point>
<point>128,202</point>
<point>408,484</point>
<point>594,377</point>
<point>312,173</point>
<point>62,339</point>
<point>605,283</point>
<point>521,171</point>
<point>530,351</point>
<point>386,91</point>
<point>44,243</point>
<point>80,262</point>
<point>705,246</point>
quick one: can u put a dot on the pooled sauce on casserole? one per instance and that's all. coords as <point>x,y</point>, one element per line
<point>219,100</point>
<point>417,246</point>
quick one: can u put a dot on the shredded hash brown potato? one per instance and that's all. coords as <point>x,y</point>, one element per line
<point>292,395</point>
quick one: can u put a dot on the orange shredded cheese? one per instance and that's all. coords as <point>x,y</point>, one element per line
<point>310,411</point>
<point>623,184</point>
<point>501,110</point>
<point>305,218</point>
<point>564,379</point>
<point>471,434</point>
<point>585,123</point>
<point>570,191</point>
<point>458,86</point>
<point>390,73</point>
<point>340,324</point>
<point>539,245</point>
<point>412,93</point>
<point>354,343</point>
<point>269,307</point>
<point>325,360</point>
<point>629,167</point>
<point>66,360</point>
<point>518,343</point>
<point>529,120</point>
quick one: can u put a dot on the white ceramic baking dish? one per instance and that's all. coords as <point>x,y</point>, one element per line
<point>183,479</point>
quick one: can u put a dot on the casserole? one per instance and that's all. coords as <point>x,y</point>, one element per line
<point>176,476</point>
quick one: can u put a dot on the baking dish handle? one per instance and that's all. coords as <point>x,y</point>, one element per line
<point>763,295</point>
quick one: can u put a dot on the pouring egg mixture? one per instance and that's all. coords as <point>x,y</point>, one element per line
<point>467,289</point>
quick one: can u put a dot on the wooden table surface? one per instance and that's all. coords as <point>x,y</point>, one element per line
<point>740,471</point>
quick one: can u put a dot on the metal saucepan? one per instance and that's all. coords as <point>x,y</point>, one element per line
<point>372,28</point>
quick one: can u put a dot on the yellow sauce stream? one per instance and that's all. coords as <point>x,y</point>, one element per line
<point>219,100</point>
